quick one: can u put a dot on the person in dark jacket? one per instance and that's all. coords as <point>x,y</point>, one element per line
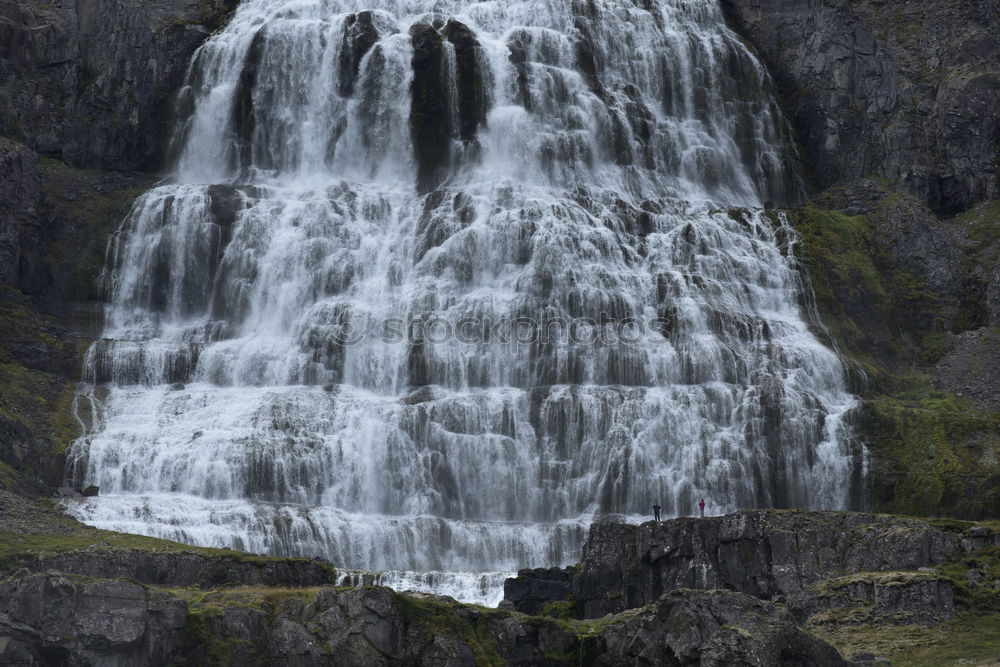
<point>656,512</point>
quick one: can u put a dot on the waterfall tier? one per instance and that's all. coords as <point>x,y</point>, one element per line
<point>436,284</point>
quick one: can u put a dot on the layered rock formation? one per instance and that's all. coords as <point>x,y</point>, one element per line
<point>91,83</point>
<point>50,618</point>
<point>906,91</point>
<point>682,592</point>
<point>767,554</point>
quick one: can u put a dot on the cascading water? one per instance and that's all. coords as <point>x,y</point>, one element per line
<point>438,283</point>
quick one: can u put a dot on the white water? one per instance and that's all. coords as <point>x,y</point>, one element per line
<point>246,394</point>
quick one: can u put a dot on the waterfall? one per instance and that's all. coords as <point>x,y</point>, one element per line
<point>436,284</point>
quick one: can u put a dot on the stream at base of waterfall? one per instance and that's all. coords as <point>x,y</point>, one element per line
<point>435,285</point>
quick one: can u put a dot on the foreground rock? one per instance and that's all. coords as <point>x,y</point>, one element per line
<point>768,554</point>
<point>53,619</point>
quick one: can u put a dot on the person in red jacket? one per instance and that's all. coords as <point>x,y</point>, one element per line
<point>701,506</point>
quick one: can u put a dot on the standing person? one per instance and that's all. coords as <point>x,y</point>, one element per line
<point>701,506</point>
<point>656,511</point>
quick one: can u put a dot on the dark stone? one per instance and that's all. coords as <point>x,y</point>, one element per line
<point>244,116</point>
<point>908,598</point>
<point>471,90</point>
<point>764,553</point>
<point>20,197</point>
<point>909,92</point>
<point>430,123</point>
<point>91,491</point>
<point>360,36</point>
<point>533,589</point>
<point>91,83</point>
<point>688,627</point>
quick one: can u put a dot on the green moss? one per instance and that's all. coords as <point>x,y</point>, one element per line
<point>432,618</point>
<point>930,449</point>
<point>980,592</point>
<point>863,302</point>
<point>204,646</point>
<point>565,610</point>
<point>89,212</point>
<point>64,535</point>
<point>968,639</point>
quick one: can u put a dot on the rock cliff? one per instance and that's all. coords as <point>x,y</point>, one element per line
<point>766,554</point>
<point>908,91</point>
<point>681,592</point>
<point>91,83</point>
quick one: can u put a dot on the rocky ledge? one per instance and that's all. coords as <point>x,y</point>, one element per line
<point>48,619</point>
<point>768,554</point>
<point>765,553</point>
<point>752,588</point>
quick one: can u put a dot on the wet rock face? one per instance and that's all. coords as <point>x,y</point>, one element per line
<point>767,554</point>
<point>91,83</point>
<point>905,91</point>
<point>433,125</point>
<point>429,116</point>
<point>48,619</point>
<point>20,194</point>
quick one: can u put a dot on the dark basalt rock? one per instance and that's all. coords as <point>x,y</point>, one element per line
<point>908,598</point>
<point>533,589</point>
<point>471,90</point>
<point>909,92</point>
<point>50,619</point>
<point>20,196</point>
<point>91,83</point>
<point>360,37</point>
<point>767,554</point>
<point>688,627</point>
<point>244,117</point>
<point>430,123</point>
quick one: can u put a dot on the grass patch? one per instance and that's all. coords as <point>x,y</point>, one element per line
<point>971,639</point>
<point>20,549</point>
<point>974,578</point>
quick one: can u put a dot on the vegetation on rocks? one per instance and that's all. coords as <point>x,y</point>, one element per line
<point>934,452</point>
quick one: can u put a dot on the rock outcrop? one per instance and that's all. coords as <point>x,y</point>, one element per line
<point>186,569</point>
<point>55,619</point>
<point>713,628</point>
<point>20,194</point>
<point>52,620</point>
<point>768,554</point>
<point>90,83</point>
<point>903,597</point>
<point>531,590</point>
<point>907,91</point>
